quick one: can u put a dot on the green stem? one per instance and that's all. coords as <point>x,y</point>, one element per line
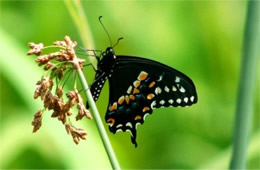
<point>98,120</point>
<point>54,46</point>
<point>78,15</point>
<point>244,108</point>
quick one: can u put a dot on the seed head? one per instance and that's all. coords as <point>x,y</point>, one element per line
<point>35,48</point>
<point>55,64</point>
<point>37,121</point>
<point>76,133</point>
<point>48,66</point>
<point>83,112</point>
<point>45,84</point>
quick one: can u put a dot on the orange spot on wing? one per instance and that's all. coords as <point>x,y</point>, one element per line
<point>145,109</point>
<point>138,117</point>
<point>137,83</point>
<point>127,99</point>
<point>132,97</point>
<point>129,90</point>
<point>113,107</point>
<point>150,96</point>
<point>142,76</point>
<point>121,100</point>
<point>136,91</point>
<point>152,84</point>
<point>111,121</point>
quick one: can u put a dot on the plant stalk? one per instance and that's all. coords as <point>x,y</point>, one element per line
<point>96,115</point>
<point>244,108</point>
<point>79,18</point>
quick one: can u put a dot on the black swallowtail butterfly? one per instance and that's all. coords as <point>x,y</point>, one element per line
<point>136,87</point>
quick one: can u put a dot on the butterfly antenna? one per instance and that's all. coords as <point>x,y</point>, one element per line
<point>99,18</point>
<point>117,41</point>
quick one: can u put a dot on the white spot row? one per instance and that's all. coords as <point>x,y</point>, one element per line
<point>182,89</point>
<point>153,104</point>
<point>177,79</point>
<point>129,90</point>
<point>119,125</point>
<point>98,88</point>
<point>166,89</point>
<point>129,124</point>
<point>146,114</point>
<point>158,90</point>
<point>162,102</point>
<point>171,101</point>
<point>120,130</point>
<point>136,125</point>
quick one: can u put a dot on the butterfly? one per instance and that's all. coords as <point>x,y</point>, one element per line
<point>137,86</point>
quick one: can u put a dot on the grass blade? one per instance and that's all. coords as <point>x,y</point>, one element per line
<point>244,109</point>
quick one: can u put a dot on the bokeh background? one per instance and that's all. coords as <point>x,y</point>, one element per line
<point>203,39</point>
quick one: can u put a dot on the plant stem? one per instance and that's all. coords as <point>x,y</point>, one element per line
<point>244,109</point>
<point>98,120</point>
<point>78,16</point>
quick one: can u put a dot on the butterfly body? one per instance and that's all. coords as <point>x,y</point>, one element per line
<point>136,87</point>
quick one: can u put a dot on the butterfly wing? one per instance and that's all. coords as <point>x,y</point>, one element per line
<point>137,86</point>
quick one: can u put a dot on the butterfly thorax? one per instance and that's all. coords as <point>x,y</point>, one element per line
<point>107,61</point>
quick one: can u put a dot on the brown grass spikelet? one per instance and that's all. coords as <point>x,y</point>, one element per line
<point>37,121</point>
<point>44,85</point>
<point>82,111</point>
<point>35,48</point>
<point>76,133</point>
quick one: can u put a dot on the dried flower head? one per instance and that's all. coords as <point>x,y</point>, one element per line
<point>60,91</point>
<point>35,48</point>
<point>81,108</point>
<point>72,95</point>
<point>61,71</point>
<point>43,86</point>
<point>56,64</point>
<point>70,46</point>
<point>60,43</point>
<point>76,133</point>
<point>48,66</point>
<point>82,112</point>
<point>37,121</point>
<point>48,100</point>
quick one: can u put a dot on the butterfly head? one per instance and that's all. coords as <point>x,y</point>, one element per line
<point>109,54</point>
<point>109,51</point>
<point>107,60</point>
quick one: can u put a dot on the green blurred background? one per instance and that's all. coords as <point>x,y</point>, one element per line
<point>203,39</point>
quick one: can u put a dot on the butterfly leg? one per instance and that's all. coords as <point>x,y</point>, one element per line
<point>90,64</point>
